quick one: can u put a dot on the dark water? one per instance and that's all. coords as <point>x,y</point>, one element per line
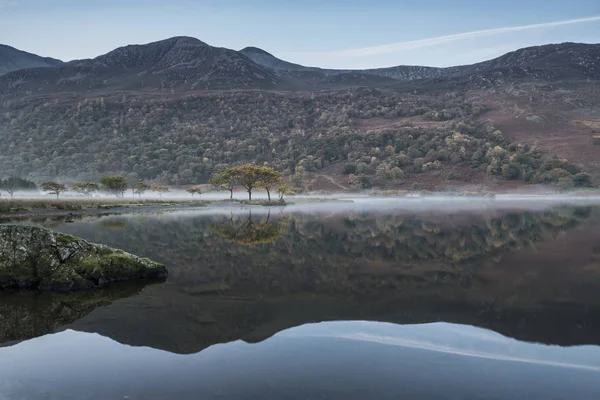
<point>338,304</point>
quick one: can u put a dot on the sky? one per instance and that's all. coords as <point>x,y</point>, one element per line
<point>322,33</point>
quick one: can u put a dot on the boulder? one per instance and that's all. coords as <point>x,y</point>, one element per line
<point>37,258</point>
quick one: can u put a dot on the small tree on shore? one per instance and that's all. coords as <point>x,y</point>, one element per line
<point>249,176</point>
<point>269,178</point>
<point>11,184</point>
<point>284,189</point>
<point>114,184</point>
<point>85,188</point>
<point>194,190</point>
<point>53,188</point>
<point>141,187</point>
<point>160,189</point>
<point>226,180</point>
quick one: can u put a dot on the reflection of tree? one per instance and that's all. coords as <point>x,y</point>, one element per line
<point>113,223</point>
<point>249,232</point>
<point>356,252</point>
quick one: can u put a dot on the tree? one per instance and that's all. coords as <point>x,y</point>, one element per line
<point>12,184</point>
<point>251,176</point>
<point>141,187</point>
<point>565,184</point>
<point>268,178</point>
<point>9,186</point>
<point>225,180</point>
<point>284,189</point>
<point>160,189</point>
<point>194,190</point>
<point>114,184</point>
<point>53,188</point>
<point>132,180</point>
<point>582,179</point>
<point>511,171</point>
<point>349,168</point>
<point>85,188</point>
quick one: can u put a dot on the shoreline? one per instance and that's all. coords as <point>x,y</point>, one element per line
<point>108,209</point>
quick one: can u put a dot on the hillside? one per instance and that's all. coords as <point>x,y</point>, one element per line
<point>179,110</point>
<point>12,59</point>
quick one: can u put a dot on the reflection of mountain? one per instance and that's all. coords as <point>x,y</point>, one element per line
<point>403,269</point>
<point>335,360</point>
<point>25,315</point>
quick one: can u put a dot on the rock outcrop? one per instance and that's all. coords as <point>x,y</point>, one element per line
<point>37,258</point>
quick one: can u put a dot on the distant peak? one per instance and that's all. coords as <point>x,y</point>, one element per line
<point>187,40</point>
<point>176,41</point>
<point>251,49</point>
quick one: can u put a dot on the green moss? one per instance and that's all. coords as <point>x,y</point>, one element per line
<point>90,264</point>
<point>63,238</point>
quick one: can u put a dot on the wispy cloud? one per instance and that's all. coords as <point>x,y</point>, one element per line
<point>421,43</point>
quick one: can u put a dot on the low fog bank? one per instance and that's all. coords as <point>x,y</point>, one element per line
<point>396,205</point>
<point>349,202</point>
<point>175,194</point>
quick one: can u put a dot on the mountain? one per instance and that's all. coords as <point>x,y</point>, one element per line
<point>179,110</point>
<point>184,64</point>
<point>12,59</point>
<point>565,59</point>
<point>179,63</point>
<point>262,57</point>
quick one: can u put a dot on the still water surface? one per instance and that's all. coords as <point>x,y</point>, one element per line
<point>338,302</point>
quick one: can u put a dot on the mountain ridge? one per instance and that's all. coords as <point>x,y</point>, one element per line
<point>184,64</point>
<point>12,59</point>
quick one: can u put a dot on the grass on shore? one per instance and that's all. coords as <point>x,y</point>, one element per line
<point>23,205</point>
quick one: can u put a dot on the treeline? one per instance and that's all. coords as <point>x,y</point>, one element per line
<point>248,176</point>
<point>115,185</point>
<point>186,140</point>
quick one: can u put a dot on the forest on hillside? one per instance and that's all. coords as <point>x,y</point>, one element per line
<point>187,140</point>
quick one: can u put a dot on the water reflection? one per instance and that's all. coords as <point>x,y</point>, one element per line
<point>249,231</point>
<point>28,314</point>
<point>532,275</point>
<point>343,360</point>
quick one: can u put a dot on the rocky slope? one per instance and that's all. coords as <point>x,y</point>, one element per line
<point>12,59</point>
<point>37,258</point>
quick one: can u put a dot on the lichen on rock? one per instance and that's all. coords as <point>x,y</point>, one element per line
<point>37,258</point>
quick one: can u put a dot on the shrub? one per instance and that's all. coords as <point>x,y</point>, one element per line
<point>349,168</point>
<point>582,179</point>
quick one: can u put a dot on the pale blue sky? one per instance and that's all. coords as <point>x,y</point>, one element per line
<point>325,33</point>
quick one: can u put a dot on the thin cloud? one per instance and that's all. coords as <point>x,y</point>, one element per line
<point>421,43</point>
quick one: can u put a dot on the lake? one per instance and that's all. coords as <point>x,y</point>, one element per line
<point>375,298</point>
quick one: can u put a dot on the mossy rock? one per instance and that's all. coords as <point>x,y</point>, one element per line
<point>37,258</point>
